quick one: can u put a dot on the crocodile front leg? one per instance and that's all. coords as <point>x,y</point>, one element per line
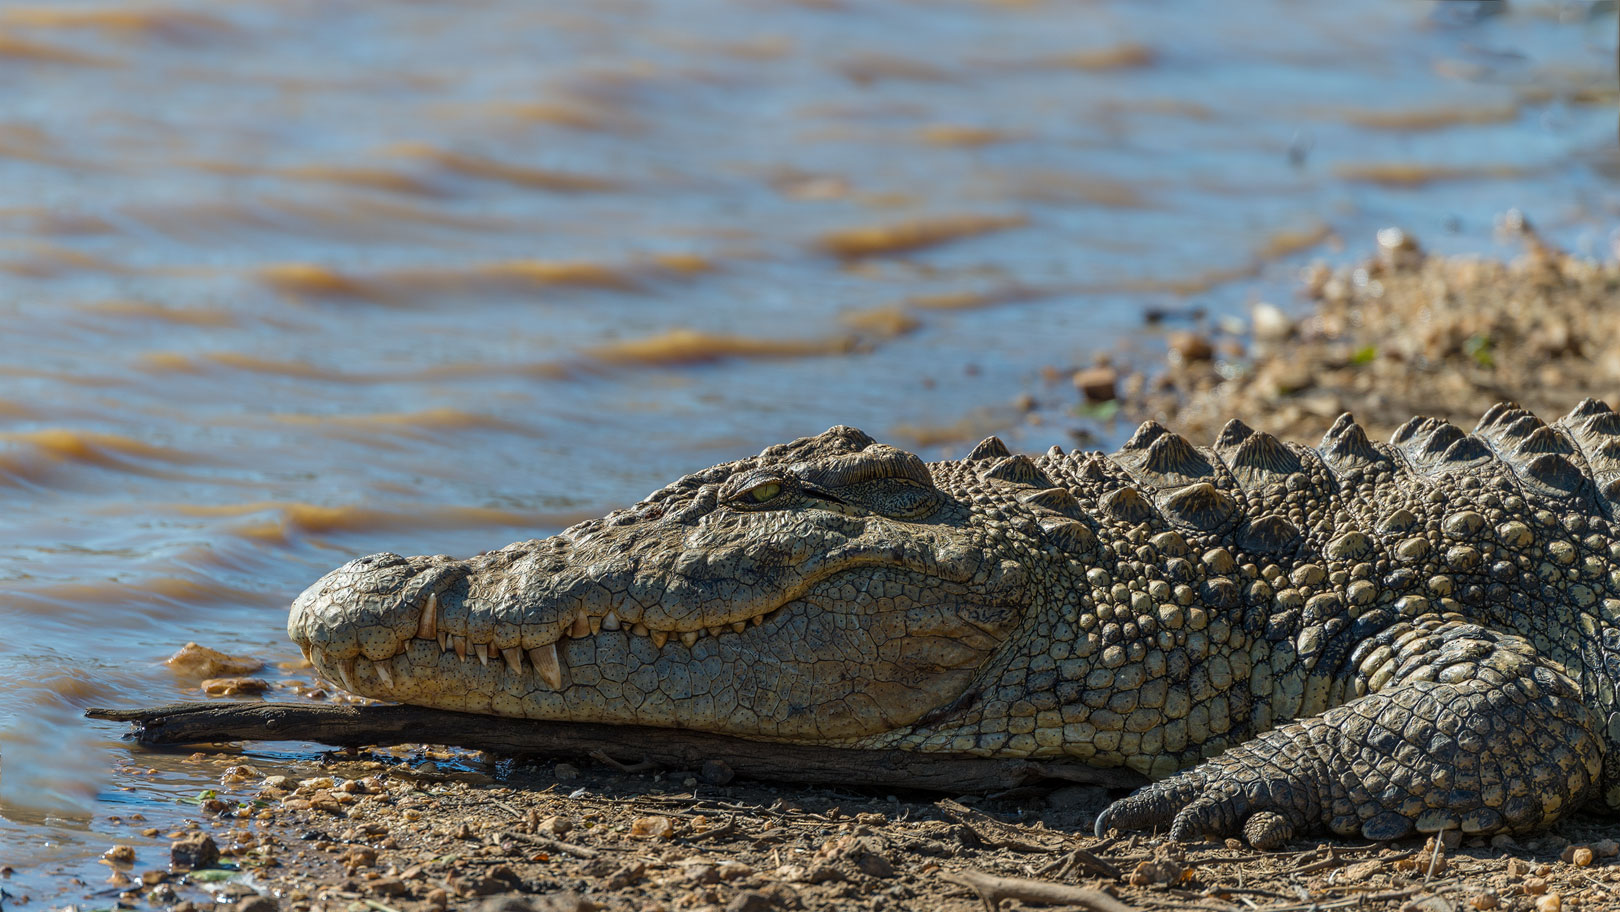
<point>1464,729</point>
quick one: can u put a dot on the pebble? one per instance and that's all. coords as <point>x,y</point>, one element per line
<point>655,827</point>
<point>1189,348</point>
<point>1270,324</point>
<point>120,854</point>
<point>197,850</point>
<point>1097,384</point>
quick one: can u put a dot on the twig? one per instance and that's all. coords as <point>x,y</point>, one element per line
<point>1359,899</point>
<point>994,890</point>
<point>966,817</point>
<point>505,807</point>
<point>555,845</point>
<point>380,907</point>
<point>1246,891</point>
<point>1434,857</point>
<point>1080,860</point>
<point>641,767</point>
<point>725,829</point>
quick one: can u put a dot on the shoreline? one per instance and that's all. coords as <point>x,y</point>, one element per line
<point>414,829</point>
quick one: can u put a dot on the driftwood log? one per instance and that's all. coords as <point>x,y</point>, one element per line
<point>388,724</point>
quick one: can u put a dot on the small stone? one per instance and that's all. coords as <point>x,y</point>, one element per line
<point>1097,384</point>
<point>627,876</point>
<point>656,827</point>
<point>197,850</point>
<point>200,662</point>
<point>716,772</point>
<point>1535,886</point>
<point>120,854</point>
<point>1483,900</point>
<point>751,901</point>
<point>388,886</point>
<point>259,903</point>
<point>1271,325</point>
<point>1190,348</point>
<point>554,826</point>
<point>234,687</point>
<point>1517,867</point>
<point>1552,902</point>
<point>566,772</point>
<point>437,899</point>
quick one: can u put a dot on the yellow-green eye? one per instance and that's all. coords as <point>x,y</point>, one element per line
<point>765,492</point>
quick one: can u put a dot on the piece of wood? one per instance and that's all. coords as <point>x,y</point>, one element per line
<point>387,724</point>
<point>995,890</point>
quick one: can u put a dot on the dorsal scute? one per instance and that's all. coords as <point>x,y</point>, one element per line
<point>989,448</point>
<point>1019,469</point>
<point>1346,447</point>
<point>1262,460</point>
<point>1233,433</point>
<point>1435,446</point>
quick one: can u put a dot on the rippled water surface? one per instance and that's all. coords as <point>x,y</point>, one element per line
<point>287,282</point>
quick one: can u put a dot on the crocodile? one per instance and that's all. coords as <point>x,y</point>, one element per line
<point>1382,639</point>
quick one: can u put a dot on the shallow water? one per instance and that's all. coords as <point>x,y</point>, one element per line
<point>289,282</point>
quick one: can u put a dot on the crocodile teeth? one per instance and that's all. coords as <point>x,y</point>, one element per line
<point>483,653</point>
<point>581,627</point>
<point>659,638</point>
<point>444,641</point>
<point>305,650</point>
<point>460,642</point>
<point>639,630</point>
<point>346,672</point>
<point>690,638</point>
<point>546,665</point>
<point>715,630</point>
<point>739,626</point>
<point>428,626</point>
<point>383,673</point>
<point>514,659</point>
<point>611,621</point>
<point>758,619</point>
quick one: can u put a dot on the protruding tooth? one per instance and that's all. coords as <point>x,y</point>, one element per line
<point>460,642</point>
<point>346,672</point>
<point>514,659</point>
<point>757,620</point>
<point>610,621</point>
<point>428,627</point>
<point>383,673</point>
<point>580,628</point>
<point>596,626</point>
<point>483,652</point>
<point>305,650</point>
<point>639,629</point>
<point>659,638</point>
<point>739,626</point>
<point>690,637</point>
<point>444,641</point>
<point>716,630</point>
<point>546,665</point>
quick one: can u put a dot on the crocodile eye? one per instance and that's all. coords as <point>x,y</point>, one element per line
<point>764,492</point>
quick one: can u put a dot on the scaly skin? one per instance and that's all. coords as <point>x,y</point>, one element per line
<point>1362,638</point>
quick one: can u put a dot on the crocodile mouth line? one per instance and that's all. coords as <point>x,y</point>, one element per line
<point>545,663</point>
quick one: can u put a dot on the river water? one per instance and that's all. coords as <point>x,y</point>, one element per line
<point>284,282</point>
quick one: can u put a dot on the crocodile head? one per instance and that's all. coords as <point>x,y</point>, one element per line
<point>831,588</point>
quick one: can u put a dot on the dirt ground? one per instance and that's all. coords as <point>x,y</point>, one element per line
<point>411,830</point>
